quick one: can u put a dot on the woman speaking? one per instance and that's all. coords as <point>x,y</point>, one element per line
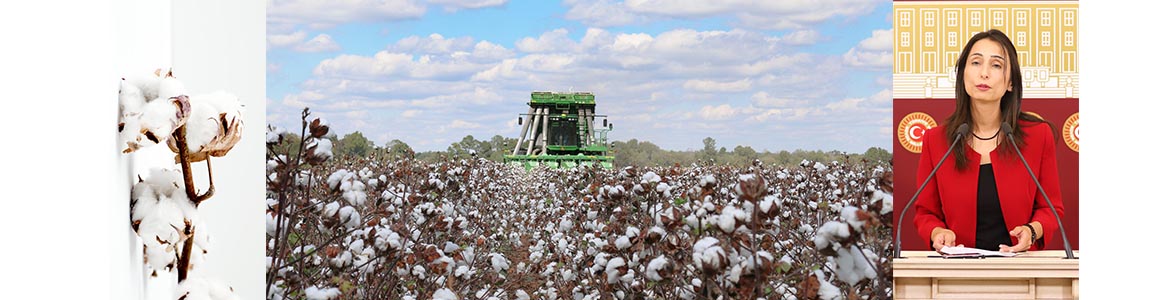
<point>983,195</point>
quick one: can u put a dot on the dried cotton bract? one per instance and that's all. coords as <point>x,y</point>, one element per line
<point>214,126</point>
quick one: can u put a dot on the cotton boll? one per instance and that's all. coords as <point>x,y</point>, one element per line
<point>160,232</point>
<point>849,215</point>
<point>829,233</point>
<point>195,288</point>
<point>444,294</point>
<point>354,197</point>
<point>827,290</point>
<point>419,271</point>
<point>202,126</point>
<point>130,137</point>
<point>130,99</point>
<point>214,127</point>
<point>769,203</point>
<point>331,209</point>
<point>147,84</point>
<point>335,179</point>
<point>169,86</point>
<point>273,136</point>
<point>622,242</point>
<point>657,265</point>
<point>499,263</point>
<point>651,177</point>
<point>851,266</point>
<point>736,271</point>
<point>165,181</point>
<point>162,117</point>
<point>708,255</point>
<point>349,217</point>
<point>321,148</point>
<point>727,220</point>
<point>316,293</point>
<point>463,272</point>
<point>343,259</point>
<point>142,202</point>
<point>614,269</point>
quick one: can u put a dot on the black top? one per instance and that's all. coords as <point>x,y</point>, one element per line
<point>990,230</point>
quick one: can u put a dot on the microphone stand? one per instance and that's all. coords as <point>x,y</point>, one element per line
<point>1064,237</point>
<point>959,133</point>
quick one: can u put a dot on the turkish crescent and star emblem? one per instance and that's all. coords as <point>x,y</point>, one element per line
<point>912,130</point>
<point>1072,132</point>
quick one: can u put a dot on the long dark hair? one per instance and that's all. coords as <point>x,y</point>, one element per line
<point>1009,104</point>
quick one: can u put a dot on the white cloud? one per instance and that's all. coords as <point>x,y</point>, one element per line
<point>762,99</point>
<point>454,5</point>
<point>721,112</point>
<point>758,14</point>
<point>383,63</point>
<point>320,43</point>
<point>328,13</point>
<point>552,41</point>
<point>875,52</point>
<point>845,104</point>
<point>680,8</point>
<point>461,124</point>
<point>286,40</point>
<point>882,39</point>
<point>296,41</point>
<point>432,44</point>
<point>669,80</point>
<point>356,114</point>
<point>801,37</point>
<point>710,86</point>
<point>603,13</point>
<point>883,98</point>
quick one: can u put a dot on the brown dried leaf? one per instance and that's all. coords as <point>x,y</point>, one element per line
<point>807,290</point>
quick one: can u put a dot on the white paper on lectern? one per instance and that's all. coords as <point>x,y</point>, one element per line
<point>973,251</point>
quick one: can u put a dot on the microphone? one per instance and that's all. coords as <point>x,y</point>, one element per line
<point>1067,248</point>
<point>959,134</point>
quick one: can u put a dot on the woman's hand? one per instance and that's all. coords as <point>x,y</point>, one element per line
<point>1023,238</point>
<point>942,237</point>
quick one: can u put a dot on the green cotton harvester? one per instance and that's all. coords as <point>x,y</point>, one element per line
<point>560,131</point>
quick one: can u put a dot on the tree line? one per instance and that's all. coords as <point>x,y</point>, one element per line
<point>626,153</point>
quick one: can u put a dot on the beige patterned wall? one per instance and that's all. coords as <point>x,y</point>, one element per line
<point>929,35</point>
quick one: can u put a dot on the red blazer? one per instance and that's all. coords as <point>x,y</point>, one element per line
<point>949,199</point>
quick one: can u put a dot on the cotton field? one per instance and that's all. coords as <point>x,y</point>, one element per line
<point>477,229</point>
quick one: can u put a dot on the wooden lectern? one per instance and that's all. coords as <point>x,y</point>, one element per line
<point>1030,275</point>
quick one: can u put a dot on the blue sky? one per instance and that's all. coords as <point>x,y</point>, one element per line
<point>811,75</point>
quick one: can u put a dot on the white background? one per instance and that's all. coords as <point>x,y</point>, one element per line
<point>219,45</point>
<point>58,104</point>
<point>64,230</point>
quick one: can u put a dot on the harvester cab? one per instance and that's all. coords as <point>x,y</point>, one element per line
<point>559,131</point>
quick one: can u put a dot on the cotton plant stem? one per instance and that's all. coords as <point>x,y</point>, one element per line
<point>185,259</point>
<point>290,170</point>
<point>210,185</point>
<point>180,136</point>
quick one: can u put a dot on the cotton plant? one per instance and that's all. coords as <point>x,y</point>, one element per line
<point>157,109</point>
<point>474,228</point>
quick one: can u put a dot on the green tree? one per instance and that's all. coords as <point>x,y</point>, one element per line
<point>353,144</point>
<point>875,154</point>
<point>398,149</point>
<point>744,155</point>
<point>500,146</point>
<point>467,146</point>
<point>709,152</point>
